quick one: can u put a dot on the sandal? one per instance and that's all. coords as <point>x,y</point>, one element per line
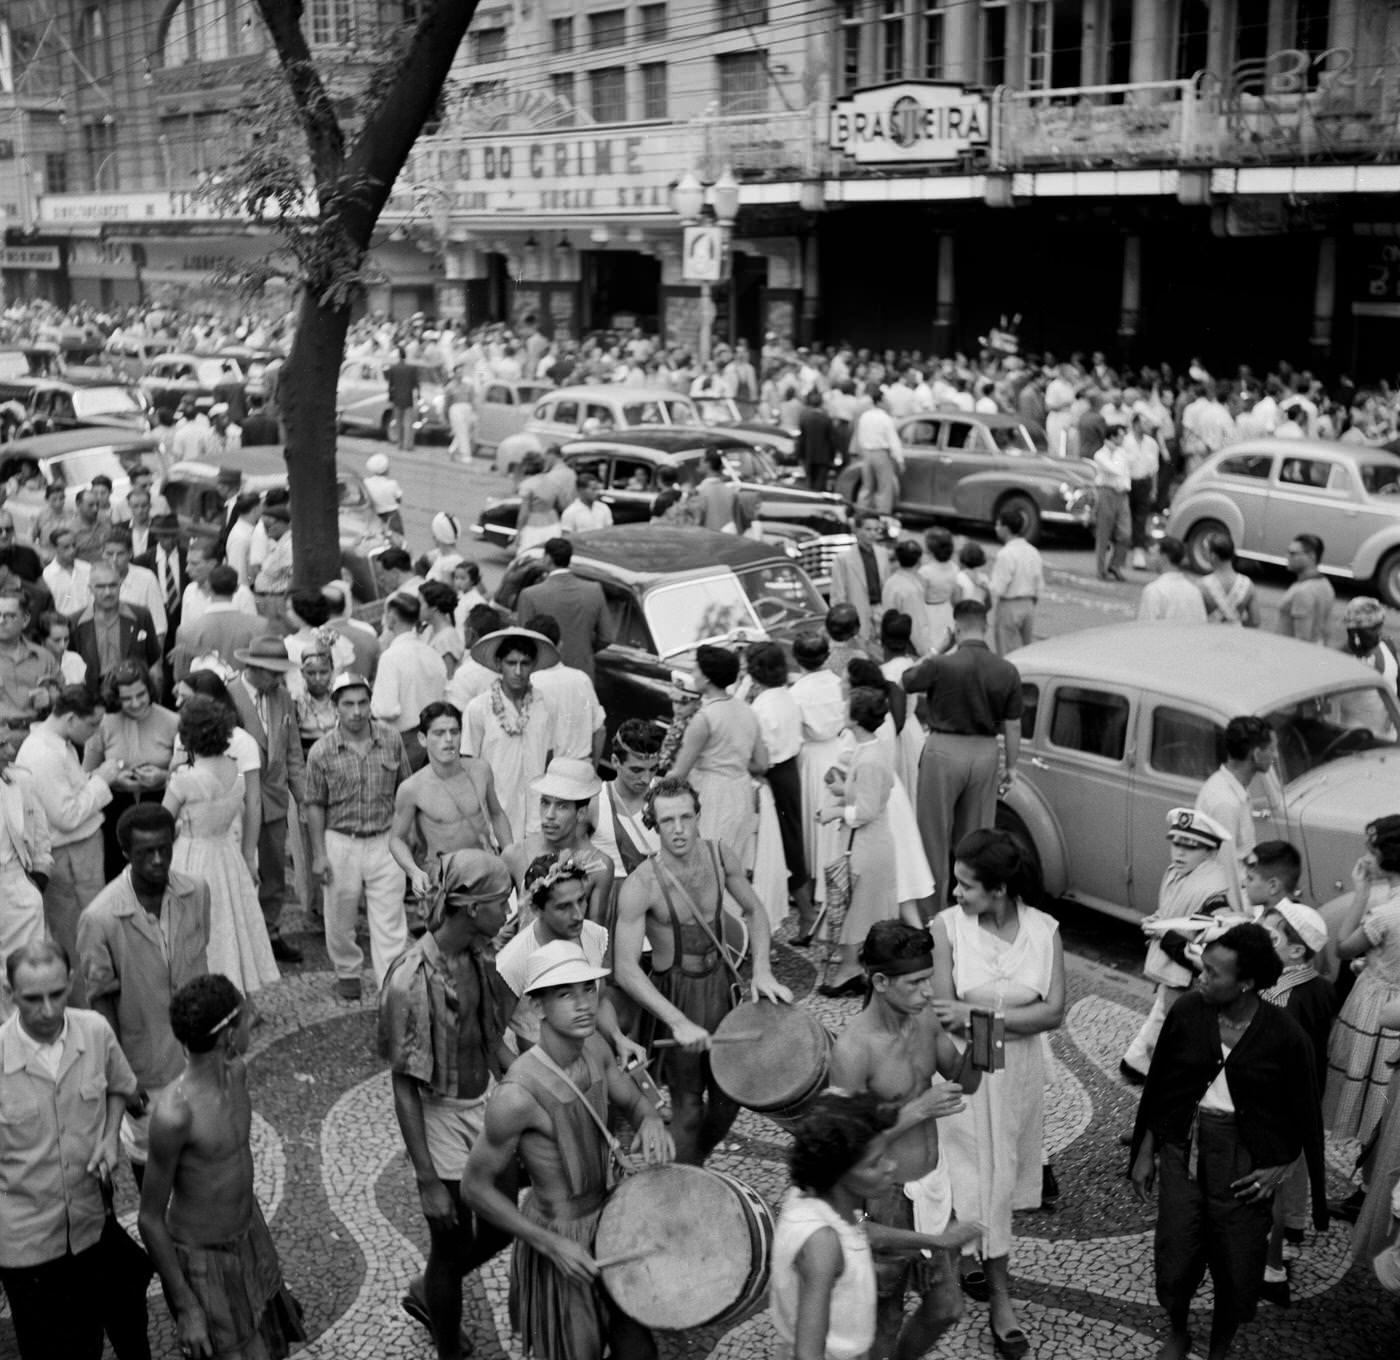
<point>1011,1345</point>
<point>974,1285</point>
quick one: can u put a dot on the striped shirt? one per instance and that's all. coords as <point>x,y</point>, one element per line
<point>357,791</point>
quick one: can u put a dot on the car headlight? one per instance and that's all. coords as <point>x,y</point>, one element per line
<point>792,549</point>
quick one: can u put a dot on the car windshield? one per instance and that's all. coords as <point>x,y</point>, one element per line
<point>678,411</point>
<point>211,372</point>
<point>687,613</point>
<point>105,401</point>
<point>781,595</point>
<point>75,469</point>
<point>1010,438</point>
<point>741,461</point>
<point>717,410</point>
<point>1332,724</point>
<point>1381,477</point>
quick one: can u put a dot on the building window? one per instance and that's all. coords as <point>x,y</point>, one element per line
<point>92,43</point>
<point>993,42</point>
<point>211,30</point>
<point>100,156</point>
<point>607,94</point>
<point>561,86</point>
<point>55,172</point>
<point>488,45</point>
<point>608,29</point>
<point>561,35</point>
<point>329,23</point>
<point>654,90</point>
<point>933,51</point>
<point>653,23</point>
<point>851,29</point>
<point>742,13</point>
<point>892,40</point>
<point>743,82</point>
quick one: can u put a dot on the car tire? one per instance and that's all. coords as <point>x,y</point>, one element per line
<point>1388,579</point>
<point>1030,514</point>
<point>1197,543</point>
<point>386,427</point>
<point>1008,821</point>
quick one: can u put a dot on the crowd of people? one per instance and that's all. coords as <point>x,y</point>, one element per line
<point>189,746</point>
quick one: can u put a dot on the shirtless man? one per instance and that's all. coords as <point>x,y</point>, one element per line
<point>674,900</point>
<point>557,1306</point>
<point>199,1217</point>
<point>450,804</point>
<point>565,790</point>
<point>893,1049</point>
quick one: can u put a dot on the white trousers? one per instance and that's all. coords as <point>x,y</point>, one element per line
<point>364,866</point>
<point>1140,1051</point>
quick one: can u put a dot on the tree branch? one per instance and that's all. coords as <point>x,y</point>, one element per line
<point>325,139</point>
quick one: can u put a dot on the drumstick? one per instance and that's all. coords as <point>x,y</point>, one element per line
<point>714,1039</point>
<point>624,1257</point>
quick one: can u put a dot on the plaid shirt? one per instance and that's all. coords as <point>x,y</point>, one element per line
<point>357,791</point>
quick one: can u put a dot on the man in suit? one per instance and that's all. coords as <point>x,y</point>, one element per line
<point>223,627</point>
<point>165,559</point>
<point>858,574</point>
<point>110,631</point>
<point>816,440</point>
<point>266,711</point>
<point>578,605</point>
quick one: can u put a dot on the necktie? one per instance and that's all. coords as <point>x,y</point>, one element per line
<point>172,585</point>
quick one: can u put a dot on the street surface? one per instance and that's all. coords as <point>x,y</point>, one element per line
<point>338,1192</point>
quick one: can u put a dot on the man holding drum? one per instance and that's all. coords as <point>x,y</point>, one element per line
<point>551,1111</point>
<point>675,900</point>
<point>893,1049</point>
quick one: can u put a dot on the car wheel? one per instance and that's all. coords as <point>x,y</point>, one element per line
<point>1198,539</point>
<point>1030,514</point>
<point>1388,580</point>
<point>1008,821</point>
<point>386,427</point>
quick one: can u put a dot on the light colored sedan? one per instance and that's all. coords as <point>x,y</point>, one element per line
<point>362,398</point>
<point>1265,492</point>
<point>502,408</point>
<point>1116,731</point>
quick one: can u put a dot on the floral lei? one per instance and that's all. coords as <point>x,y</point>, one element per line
<point>512,721</point>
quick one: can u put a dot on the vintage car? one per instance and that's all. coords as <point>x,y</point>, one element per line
<point>55,404</point>
<point>1265,492</point>
<point>131,355</point>
<point>171,378</point>
<point>725,416</point>
<point>73,458</point>
<point>669,590</point>
<point>627,465</point>
<point>362,398</point>
<point>603,409</point>
<point>964,466</point>
<point>1123,723</point>
<point>191,490</point>
<point>503,406</point>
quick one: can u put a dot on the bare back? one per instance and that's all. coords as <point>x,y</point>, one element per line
<point>212,1196</point>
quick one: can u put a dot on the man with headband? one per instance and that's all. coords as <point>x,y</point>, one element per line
<point>443,1012</point>
<point>200,1218</point>
<point>894,1049</point>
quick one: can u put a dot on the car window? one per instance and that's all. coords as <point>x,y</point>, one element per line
<point>102,401</point>
<point>781,594</point>
<point>1316,474</point>
<point>562,413</point>
<point>629,627</point>
<point>681,411</point>
<point>685,614</point>
<point>1091,721</point>
<point>1185,744</point>
<point>630,474</point>
<point>640,413</point>
<point>1030,706</point>
<point>351,494</point>
<point>76,469</point>
<point>1010,438</point>
<point>595,465</point>
<point>500,394</point>
<point>922,432</point>
<point>741,463</point>
<point>1334,724</point>
<point>1257,465</point>
<point>967,436</point>
<point>1381,479</point>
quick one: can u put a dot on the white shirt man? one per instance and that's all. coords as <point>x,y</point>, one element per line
<point>581,516</point>
<point>198,599</point>
<point>578,716</point>
<point>1173,596</point>
<point>68,583</point>
<point>411,674</point>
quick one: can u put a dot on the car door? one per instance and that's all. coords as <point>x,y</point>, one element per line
<point>629,502</point>
<point>1246,477</point>
<point>496,417</point>
<point>1316,494</point>
<point>961,452</point>
<point>920,437</point>
<point>1082,765</point>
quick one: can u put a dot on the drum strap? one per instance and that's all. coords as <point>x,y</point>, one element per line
<point>625,1164</point>
<point>737,989</point>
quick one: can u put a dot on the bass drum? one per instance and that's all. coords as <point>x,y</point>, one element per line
<point>708,1244</point>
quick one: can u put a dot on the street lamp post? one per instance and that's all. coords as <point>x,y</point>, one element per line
<point>705,253</point>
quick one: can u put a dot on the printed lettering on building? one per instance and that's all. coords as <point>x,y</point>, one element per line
<point>911,121</point>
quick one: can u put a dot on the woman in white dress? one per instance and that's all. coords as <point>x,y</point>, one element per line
<point>206,798</point>
<point>820,698</point>
<point>896,634</point>
<point>940,577</point>
<point>242,746</point>
<point>992,951</point>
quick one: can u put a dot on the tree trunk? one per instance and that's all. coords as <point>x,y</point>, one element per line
<point>306,392</point>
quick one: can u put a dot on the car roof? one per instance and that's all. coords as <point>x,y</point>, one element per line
<point>1329,448</point>
<point>69,441</point>
<point>1244,670</point>
<point>996,419</point>
<point>671,439</point>
<point>617,392</point>
<point>642,551</point>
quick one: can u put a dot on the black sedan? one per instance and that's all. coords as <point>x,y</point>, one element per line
<point>627,464</point>
<point>669,589</point>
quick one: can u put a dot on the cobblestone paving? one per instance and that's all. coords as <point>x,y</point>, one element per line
<point>338,1192</point>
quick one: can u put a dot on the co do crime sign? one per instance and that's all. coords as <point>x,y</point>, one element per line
<point>912,121</point>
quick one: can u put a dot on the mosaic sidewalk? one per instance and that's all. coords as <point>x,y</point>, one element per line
<point>338,1192</point>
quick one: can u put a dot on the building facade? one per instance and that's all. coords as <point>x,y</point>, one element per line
<point>1158,178</point>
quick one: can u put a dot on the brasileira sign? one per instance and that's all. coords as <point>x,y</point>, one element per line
<point>911,121</point>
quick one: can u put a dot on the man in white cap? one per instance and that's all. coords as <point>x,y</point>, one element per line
<point>352,776</point>
<point>228,437</point>
<point>1198,882</point>
<point>564,792</point>
<point>554,1093</point>
<point>443,1012</point>
<point>1364,621</point>
<point>511,726</point>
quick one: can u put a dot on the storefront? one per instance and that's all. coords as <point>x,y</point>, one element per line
<point>33,270</point>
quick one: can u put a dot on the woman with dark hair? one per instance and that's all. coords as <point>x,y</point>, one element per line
<point>242,747</point>
<point>720,753</point>
<point>140,734</point>
<point>440,631</point>
<point>994,951</point>
<point>940,577</point>
<point>823,1286</point>
<point>207,799</point>
<point>896,641</point>
<point>538,518</point>
<point>1229,596</point>
<point>861,806</point>
<point>1362,1051</point>
<point>821,700</point>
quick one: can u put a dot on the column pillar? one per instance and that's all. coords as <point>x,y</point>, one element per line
<point>960,29</point>
<point>945,313</point>
<point>1130,296</point>
<point>1220,38</point>
<point>1151,58</point>
<point>1324,296</point>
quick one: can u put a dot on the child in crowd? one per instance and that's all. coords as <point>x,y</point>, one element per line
<point>385,495</point>
<point>1197,882</point>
